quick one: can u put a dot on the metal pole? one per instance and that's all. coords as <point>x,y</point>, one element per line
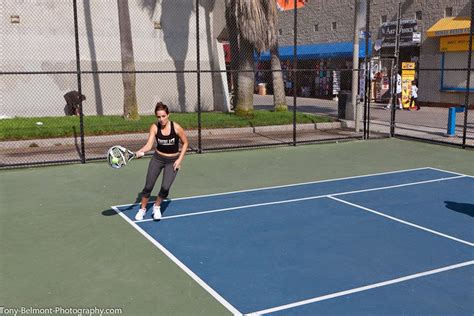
<point>295,64</point>
<point>395,71</point>
<point>79,85</point>
<point>367,73</point>
<point>355,67</point>
<point>468,81</point>
<point>198,61</point>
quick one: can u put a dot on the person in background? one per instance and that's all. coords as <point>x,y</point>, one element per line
<point>414,95</point>
<point>399,91</point>
<point>73,102</point>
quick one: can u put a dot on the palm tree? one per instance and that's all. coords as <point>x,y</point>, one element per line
<point>279,97</point>
<point>130,106</point>
<point>255,29</point>
<point>231,25</point>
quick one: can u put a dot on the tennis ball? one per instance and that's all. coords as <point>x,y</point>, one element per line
<point>115,160</point>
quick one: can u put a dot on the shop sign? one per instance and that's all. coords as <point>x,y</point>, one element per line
<point>408,33</point>
<point>416,37</point>
<point>336,82</point>
<point>458,43</point>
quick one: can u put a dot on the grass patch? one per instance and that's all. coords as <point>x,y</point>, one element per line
<point>20,128</point>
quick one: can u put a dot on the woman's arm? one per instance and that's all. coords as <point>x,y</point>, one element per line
<point>184,140</point>
<point>149,144</point>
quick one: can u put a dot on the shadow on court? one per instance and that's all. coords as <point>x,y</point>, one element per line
<point>464,208</point>
<point>164,205</point>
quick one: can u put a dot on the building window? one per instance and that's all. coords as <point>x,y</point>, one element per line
<point>334,26</point>
<point>455,80</point>
<point>280,32</point>
<point>419,15</point>
<point>316,27</point>
<point>448,11</point>
<point>383,19</point>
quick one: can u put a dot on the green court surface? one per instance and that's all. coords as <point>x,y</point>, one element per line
<point>62,245</point>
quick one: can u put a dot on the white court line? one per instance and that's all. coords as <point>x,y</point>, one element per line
<point>441,170</point>
<point>207,287</point>
<point>363,288</point>
<point>403,222</point>
<point>188,271</point>
<point>300,199</point>
<point>295,184</point>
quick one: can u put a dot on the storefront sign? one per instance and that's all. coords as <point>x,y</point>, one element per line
<point>416,37</point>
<point>458,43</point>
<point>336,82</point>
<point>408,31</point>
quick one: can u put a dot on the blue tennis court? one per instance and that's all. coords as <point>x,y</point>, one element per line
<point>390,243</point>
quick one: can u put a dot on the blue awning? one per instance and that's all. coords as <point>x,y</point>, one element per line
<point>322,50</point>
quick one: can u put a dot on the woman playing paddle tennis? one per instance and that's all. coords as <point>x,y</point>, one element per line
<point>167,157</point>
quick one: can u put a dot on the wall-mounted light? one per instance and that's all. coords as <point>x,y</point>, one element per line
<point>157,25</point>
<point>15,19</point>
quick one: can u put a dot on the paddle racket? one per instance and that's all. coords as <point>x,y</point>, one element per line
<point>118,156</point>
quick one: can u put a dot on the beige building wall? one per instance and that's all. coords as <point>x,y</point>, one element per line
<point>164,39</point>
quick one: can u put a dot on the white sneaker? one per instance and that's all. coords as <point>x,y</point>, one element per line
<point>140,214</point>
<point>156,212</point>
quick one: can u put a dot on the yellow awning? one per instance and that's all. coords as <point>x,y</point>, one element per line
<point>450,26</point>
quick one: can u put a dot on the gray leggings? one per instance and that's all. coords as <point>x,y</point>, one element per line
<point>157,163</point>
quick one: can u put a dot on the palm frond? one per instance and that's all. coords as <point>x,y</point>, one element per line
<point>256,22</point>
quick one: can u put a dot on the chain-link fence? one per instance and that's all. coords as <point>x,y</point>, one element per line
<point>236,74</point>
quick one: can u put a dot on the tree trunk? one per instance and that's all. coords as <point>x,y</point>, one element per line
<point>279,97</point>
<point>130,106</point>
<point>233,43</point>
<point>246,80</point>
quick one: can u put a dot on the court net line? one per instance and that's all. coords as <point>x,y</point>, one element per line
<point>299,199</point>
<point>363,288</point>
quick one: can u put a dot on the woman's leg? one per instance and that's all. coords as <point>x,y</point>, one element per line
<point>169,174</point>
<point>154,170</point>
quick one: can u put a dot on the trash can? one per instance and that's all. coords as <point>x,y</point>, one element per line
<point>262,88</point>
<point>344,101</point>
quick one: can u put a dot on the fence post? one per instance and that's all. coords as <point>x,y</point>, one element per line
<point>395,72</point>
<point>468,81</point>
<point>295,64</point>
<point>198,61</point>
<point>79,85</point>
<point>368,84</point>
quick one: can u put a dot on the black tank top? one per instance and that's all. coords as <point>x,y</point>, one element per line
<point>168,144</point>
